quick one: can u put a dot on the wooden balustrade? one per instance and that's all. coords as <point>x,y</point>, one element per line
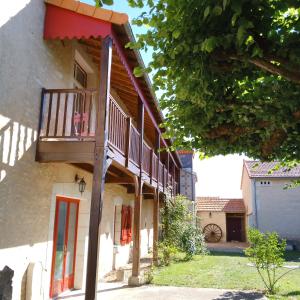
<point>134,152</point>
<point>70,114</point>
<point>117,126</point>
<point>154,166</point>
<point>67,113</point>
<point>146,158</point>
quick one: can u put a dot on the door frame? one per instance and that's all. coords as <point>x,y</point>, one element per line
<point>59,199</point>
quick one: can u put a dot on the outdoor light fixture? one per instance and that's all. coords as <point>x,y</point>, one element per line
<point>81,183</point>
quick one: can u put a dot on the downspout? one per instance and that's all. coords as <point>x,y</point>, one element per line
<point>255,203</point>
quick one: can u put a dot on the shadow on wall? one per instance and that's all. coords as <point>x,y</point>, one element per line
<point>15,140</point>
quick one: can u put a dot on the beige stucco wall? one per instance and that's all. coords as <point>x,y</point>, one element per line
<point>218,218</point>
<point>28,189</point>
<point>278,209</point>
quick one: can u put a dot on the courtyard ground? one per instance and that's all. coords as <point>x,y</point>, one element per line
<point>226,271</point>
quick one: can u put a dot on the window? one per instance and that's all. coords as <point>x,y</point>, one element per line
<point>80,76</point>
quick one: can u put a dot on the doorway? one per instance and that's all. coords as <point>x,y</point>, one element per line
<point>64,245</point>
<point>235,227</point>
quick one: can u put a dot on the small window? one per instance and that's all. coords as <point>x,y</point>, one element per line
<point>80,75</point>
<point>265,183</point>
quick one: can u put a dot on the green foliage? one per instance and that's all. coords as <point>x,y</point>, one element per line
<point>229,72</point>
<point>100,3</point>
<point>179,231</point>
<point>149,275</point>
<point>266,252</point>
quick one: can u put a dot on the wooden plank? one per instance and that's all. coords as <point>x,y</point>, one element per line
<point>100,168</point>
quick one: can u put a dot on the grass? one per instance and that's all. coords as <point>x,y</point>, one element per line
<point>227,271</point>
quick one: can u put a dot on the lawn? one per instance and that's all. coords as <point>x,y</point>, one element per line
<point>228,271</point>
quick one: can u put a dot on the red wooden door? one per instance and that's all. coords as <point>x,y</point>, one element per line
<point>64,245</point>
<point>234,229</point>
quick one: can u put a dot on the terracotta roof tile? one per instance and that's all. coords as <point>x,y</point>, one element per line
<point>265,170</point>
<point>220,205</point>
<point>91,11</point>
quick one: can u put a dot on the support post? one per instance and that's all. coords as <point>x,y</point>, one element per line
<point>156,205</point>
<point>135,279</point>
<point>100,168</point>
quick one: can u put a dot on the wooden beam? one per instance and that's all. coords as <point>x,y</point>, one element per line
<point>136,254</point>
<point>155,226</point>
<point>100,168</point>
<point>119,180</point>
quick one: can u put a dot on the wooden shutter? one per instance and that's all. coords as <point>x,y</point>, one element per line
<point>129,224</point>
<point>123,240</point>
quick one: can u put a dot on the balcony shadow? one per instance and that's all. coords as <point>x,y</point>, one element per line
<point>239,295</point>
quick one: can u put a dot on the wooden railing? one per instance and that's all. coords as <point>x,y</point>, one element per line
<point>134,152</point>
<point>117,126</point>
<point>154,165</point>
<point>67,113</point>
<point>70,114</point>
<point>147,158</point>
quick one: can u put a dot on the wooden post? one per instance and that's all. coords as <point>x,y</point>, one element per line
<point>156,205</point>
<point>135,278</point>
<point>128,138</point>
<point>100,168</point>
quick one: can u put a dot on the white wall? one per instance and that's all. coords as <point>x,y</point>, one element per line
<point>278,209</point>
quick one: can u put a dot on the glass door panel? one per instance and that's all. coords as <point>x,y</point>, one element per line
<point>64,245</point>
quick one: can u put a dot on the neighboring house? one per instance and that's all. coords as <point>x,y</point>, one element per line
<point>269,206</point>
<point>188,177</point>
<point>222,219</point>
<point>79,148</point>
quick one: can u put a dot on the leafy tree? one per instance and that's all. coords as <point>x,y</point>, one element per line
<point>266,252</point>
<point>229,73</point>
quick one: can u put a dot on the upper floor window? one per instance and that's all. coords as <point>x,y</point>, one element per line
<point>80,76</point>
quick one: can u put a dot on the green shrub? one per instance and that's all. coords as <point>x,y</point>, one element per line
<point>179,231</point>
<point>266,252</point>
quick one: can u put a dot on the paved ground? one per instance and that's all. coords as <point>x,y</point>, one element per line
<point>147,292</point>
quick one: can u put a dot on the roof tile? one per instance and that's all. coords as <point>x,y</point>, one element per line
<point>258,169</point>
<point>220,205</point>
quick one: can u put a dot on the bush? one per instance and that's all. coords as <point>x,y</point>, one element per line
<point>266,252</point>
<point>179,231</point>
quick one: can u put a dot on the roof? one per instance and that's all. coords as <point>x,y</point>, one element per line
<point>256,169</point>
<point>101,23</point>
<point>216,204</point>
<point>91,11</point>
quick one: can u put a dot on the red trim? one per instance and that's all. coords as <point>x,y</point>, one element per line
<point>62,23</point>
<point>70,279</point>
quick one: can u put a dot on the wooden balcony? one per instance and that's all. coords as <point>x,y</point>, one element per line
<point>67,134</point>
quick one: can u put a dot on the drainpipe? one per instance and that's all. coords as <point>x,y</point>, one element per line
<point>255,202</point>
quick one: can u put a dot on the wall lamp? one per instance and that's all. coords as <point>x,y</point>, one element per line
<point>81,183</point>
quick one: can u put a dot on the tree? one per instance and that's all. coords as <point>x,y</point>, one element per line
<point>229,73</point>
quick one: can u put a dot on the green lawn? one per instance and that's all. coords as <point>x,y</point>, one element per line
<point>228,271</point>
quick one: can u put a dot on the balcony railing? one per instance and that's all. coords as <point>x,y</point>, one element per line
<point>70,114</point>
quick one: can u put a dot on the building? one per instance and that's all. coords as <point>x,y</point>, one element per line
<point>188,177</point>
<point>81,174</point>
<point>222,220</point>
<point>269,205</point>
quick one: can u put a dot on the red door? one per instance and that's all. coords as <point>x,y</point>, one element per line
<point>234,229</point>
<point>64,245</point>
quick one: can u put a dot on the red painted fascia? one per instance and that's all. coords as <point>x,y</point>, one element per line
<point>62,23</point>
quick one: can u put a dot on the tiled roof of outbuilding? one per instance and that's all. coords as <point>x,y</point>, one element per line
<point>220,205</point>
<point>265,170</point>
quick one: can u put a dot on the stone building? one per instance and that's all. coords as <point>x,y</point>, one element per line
<point>81,176</point>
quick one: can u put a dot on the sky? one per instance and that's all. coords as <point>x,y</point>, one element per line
<point>217,176</point>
